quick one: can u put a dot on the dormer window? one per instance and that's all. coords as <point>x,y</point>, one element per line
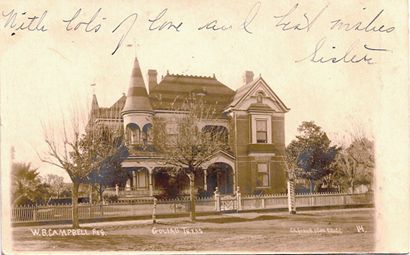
<point>261,131</point>
<point>199,92</point>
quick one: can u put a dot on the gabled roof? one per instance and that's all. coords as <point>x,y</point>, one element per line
<point>112,112</point>
<point>220,157</point>
<point>120,103</point>
<point>242,93</point>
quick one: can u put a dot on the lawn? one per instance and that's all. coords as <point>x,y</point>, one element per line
<point>310,231</point>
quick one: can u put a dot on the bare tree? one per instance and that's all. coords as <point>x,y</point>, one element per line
<point>80,153</point>
<point>183,145</point>
<point>56,184</point>
<point>108,143</point>
<point>68,155</point>
<point>355,164</point>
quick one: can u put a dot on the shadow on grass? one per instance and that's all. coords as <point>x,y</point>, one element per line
<point>238,219</point>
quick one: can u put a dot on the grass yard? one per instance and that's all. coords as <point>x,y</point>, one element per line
<point>349,230</point>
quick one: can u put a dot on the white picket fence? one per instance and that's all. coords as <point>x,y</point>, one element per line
<point>305,200</point>
<point>143,207</point>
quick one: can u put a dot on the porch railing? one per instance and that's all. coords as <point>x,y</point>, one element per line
<point>130,192</point>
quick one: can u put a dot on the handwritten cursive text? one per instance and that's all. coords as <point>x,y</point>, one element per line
<point>348,57</point>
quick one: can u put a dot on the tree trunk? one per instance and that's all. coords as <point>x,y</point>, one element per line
<point>90,199</point>
<point>100,191</point>
<point>192,196</point>
<point>352,186</point>
<point>311,186</point>
<point>74,198</point>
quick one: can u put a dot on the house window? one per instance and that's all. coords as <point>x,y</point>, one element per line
<point>172,133</point>
<point>261,131</point>
<point>147,134</point>
<point>216,133</point>
<point>262,178</point>
<point>133,133</point>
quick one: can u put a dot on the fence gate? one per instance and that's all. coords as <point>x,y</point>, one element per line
<point>228,203</point>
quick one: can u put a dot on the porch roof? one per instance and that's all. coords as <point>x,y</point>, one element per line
<point>152,162</point>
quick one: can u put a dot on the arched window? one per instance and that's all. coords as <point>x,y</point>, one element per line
<point>147,134</point>
<point>259,96</point>
<point>133,133</point>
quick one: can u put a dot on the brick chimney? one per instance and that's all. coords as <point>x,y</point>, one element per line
<point>152,79</point>
<point>247,77</point>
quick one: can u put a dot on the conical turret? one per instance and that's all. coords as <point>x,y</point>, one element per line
<point>137,97</point>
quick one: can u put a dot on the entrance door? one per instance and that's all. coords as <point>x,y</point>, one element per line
<point>220,175</point>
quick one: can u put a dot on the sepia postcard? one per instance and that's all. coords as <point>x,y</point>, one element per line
<point>213,127</point>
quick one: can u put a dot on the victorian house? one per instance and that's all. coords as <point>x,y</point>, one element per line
<point>252,117</point>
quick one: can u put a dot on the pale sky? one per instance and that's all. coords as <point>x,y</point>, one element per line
<point>45,74</point>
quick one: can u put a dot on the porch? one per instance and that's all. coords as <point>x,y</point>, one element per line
<point>147,179</point>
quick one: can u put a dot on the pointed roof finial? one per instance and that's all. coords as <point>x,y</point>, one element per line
<point>137,97</point>
<point>94,103</point>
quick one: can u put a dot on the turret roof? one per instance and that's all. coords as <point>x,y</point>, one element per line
<point>137,97</point>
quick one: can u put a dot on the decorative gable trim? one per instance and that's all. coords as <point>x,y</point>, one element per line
<point>221,157</point>
<point>255,86</point>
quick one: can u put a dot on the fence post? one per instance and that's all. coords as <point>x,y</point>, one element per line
<point>35,213</point>
<point>312,199</point>
<point>154,208</point>
<point>239,199</point>
<point>117,190</point>
<point>101,209</point>
<point>90,210</point>
<point>217,200</point>
<point>291,197</point>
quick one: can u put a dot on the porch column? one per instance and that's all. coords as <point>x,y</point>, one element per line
<point>151,189</point>
<point>134,180</point>
<point>117,189</point>
<point>205,184</point>
<point>128,184</point>
<point>234,178</point>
